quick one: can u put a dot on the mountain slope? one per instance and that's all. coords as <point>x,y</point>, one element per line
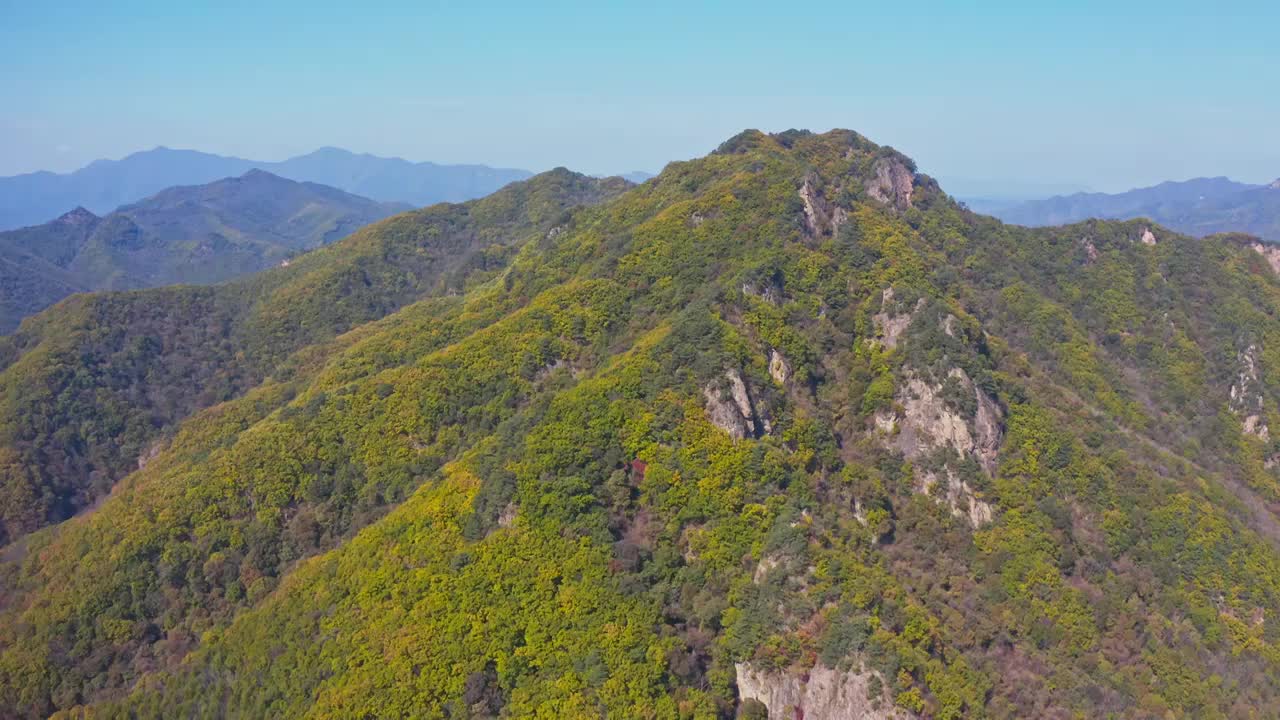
<point>33,272</point>
<point>104,185</point>
<point>200,234</point>
<point>1255,211</point>
<point>88,386</point>
<point>781,432</point>
<point>1203,206</point>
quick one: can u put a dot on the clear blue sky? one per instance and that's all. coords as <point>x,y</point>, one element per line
<point>1106,94</point>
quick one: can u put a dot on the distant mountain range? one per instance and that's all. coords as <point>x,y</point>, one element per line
<point>104,185</point>
<point>189,234</point>
<point>989,195</point>
<point>1202,206</point>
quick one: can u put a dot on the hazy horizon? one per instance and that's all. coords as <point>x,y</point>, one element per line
<point>975,187</point>
<point>1105,96</point>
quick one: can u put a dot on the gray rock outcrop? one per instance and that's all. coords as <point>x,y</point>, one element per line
<point>779,368</point>
<point>1247,400</point>
<point>823,693</point>
<point>1271,253</point>
<point>732,410</point>
<point>926,424</point>
<point>893,183</point>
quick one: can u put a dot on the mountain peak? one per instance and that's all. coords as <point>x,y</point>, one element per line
<point>740,143</point>
<point>259,174</point>
<point>77,216</point>
<point>330,151</point>
<point>1275,184</point>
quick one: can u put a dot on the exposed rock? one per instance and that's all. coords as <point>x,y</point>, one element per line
<point>1271,253</point>
<point>960,497</point>
<point>805,519</point>
<point>980,512</point>
<point>507,517</point>
<point>926,424</point>
<point>890,325</point>
<point>1148,237</point>
<point>1275,185</point>
<point>893,183</point>
<point>820,216</point>
<point>767,563</point>
<point>859,512</point>
<point>769,292</point>
<point>949,325</point>
<point>839,216</point>
<point>779,368</point>
<point>988,425</point>
<point>1090,250</point>
<point>697,219</point>
<point>149,454</point>
<point>823,693</point>
<point>1255,425</point>
<point>814,216</point>
<point>1247,400</point>
<point>734,414</point>
<point>738,389</point>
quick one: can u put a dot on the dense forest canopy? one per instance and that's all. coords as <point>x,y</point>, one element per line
<point>782,432</point>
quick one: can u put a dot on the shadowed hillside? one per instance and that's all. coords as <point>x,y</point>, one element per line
<point>200,234</point>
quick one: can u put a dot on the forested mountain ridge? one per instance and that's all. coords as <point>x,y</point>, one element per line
<point>88,386</point>
<point>192,234</point>
<point>782,431</point>
<point>1203,206</point>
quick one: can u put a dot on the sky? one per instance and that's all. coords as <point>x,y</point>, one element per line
<point>994,95</point>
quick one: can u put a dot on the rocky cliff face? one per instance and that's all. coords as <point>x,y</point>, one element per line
<point>940,422</point>
<point>820,216</point>
<point>1246,394</point>
<point>822,693</point>
<point>892,321</point>
<point>893,183</point>
<point>779,368</point>
<point>731,409</point>
<point>1270,252</point>
<point>926,424</point>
